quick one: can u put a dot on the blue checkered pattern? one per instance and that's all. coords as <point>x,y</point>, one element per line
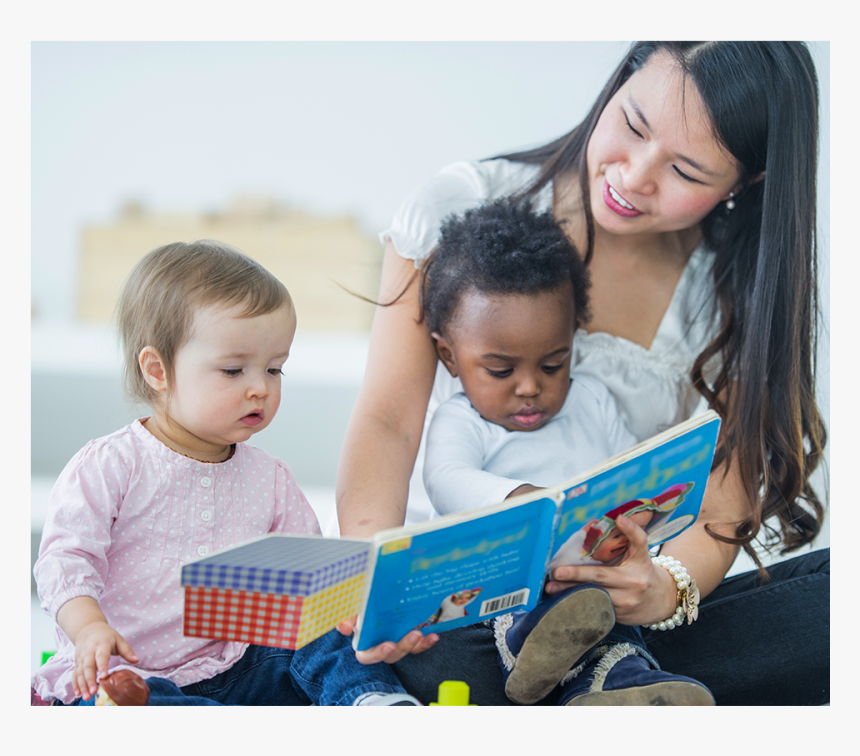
<point>280,563</point>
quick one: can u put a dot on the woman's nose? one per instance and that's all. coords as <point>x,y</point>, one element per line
<point>638,173</point>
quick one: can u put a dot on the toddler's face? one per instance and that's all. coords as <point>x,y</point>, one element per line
<point>227,377</point>
<point>512,353</point>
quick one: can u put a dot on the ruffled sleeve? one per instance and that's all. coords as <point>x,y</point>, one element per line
<point>83,505</point>
<point>458,187</point>
<point>293,513</point>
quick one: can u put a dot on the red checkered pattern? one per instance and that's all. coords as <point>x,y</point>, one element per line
<point>265,619</point>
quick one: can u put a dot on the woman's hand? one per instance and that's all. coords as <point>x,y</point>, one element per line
<point>389,652</point>
<point>641,592</point>
<point>94,645</point>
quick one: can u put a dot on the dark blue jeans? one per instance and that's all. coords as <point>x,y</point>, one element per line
<point>755,643</point>
<point>324,673</point>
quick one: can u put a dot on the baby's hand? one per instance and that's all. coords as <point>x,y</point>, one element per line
<point>390,652</point>
<point>525,488</point>
<point>95,643</point>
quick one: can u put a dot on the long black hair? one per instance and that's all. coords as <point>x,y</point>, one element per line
<point>762,98</point>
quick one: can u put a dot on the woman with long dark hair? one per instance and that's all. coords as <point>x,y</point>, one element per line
<point>689,190</point>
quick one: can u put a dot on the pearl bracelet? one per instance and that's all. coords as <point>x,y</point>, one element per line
<point>688,594</point>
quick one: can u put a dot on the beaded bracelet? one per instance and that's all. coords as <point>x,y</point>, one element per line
<point>688,594</point>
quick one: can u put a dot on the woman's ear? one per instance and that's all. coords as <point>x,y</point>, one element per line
<point>740,187</point>
<point>152,368</point>
<point>445,353</point>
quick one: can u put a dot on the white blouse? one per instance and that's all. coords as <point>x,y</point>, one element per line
<point>651,386</point>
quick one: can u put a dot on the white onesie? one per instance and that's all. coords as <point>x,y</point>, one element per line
<point>471,462</point>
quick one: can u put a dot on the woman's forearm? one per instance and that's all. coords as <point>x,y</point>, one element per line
<point>723,508</point>
<point>373,477</point>
<point>706,559</point>
<point>386,424</point>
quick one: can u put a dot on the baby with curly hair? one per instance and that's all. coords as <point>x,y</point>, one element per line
<point>502,295</point>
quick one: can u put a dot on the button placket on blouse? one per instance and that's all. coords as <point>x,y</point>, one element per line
<point>205,516</point>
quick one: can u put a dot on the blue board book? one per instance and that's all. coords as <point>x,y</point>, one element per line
<point>464,568</point>
<point>457,570</point>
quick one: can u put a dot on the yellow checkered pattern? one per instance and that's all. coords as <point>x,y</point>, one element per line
<point>325,609</point>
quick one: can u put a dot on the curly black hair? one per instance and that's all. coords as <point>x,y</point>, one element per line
<point>502,247</point>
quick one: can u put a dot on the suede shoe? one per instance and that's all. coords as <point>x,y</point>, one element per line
<point>538,648</point>
<point>622,678</point>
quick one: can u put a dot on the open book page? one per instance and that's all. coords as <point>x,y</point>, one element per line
<point>660,488</point>
<point>456,571</point>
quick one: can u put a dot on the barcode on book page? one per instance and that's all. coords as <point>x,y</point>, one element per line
<point>504,602</point>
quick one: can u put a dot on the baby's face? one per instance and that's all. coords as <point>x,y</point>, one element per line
<point>512,353</point>
<point>227,379</point>
<point>616,543</point>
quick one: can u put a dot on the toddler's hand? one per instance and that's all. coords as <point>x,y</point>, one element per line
<point>95,643</point>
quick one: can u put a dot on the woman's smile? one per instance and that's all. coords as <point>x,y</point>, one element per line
<point>617,203</point>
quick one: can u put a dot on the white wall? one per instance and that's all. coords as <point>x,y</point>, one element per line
<point>331,127</point>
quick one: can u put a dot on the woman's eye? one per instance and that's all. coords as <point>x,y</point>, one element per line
<point>630,126</point>
<point>550,369</point>
<point>685,176</point>
<point>500,373</point>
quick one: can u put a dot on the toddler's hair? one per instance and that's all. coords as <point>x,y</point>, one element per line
<point>158,301</point>
<point>502,247</point>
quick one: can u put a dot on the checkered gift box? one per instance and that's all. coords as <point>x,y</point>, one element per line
<point>279,590</point>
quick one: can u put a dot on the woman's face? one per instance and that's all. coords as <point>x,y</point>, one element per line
<point>654,166</point>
